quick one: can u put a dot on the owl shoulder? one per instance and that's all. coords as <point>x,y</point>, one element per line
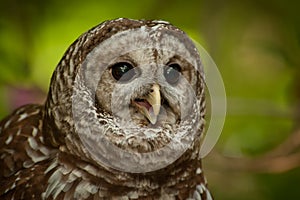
<point>22,150</point>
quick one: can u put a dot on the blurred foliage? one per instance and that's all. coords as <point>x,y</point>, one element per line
<point>256,45</point>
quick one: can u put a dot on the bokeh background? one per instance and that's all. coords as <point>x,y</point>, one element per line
<point>255,44</point>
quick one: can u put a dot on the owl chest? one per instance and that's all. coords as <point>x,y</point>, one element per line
<point>85,182</point>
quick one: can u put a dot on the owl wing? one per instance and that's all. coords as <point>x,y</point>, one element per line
<point>22,153</point>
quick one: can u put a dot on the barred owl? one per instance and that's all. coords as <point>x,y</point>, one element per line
<point>123,120</point>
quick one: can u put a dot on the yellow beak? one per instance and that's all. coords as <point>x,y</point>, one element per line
<point>154,99</point>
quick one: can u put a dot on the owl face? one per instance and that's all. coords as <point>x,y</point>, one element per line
<point>143,76</point>
<point>137,92</point>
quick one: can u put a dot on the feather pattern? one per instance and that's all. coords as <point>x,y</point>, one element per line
<point>57,150</point>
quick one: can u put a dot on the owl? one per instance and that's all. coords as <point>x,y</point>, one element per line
<point>123,119</point>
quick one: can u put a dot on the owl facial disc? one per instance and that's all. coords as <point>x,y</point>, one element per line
<point>149,105</point>
<point>146,87</point>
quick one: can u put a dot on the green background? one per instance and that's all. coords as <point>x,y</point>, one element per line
<point>255,44</point>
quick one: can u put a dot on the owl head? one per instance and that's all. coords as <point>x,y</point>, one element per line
<point>128,94</point>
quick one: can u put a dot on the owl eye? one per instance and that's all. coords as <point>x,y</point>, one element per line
<point>172,73</point>
<point>122,71</point>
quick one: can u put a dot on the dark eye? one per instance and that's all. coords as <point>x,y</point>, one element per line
<point>122,71</point>
<point>172,73</point>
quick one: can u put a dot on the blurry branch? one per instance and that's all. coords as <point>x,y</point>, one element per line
<point>257,107</point>
<point>283,158</point>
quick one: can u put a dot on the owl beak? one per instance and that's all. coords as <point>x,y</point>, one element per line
<point>154,99</point>
<point>150,105</point>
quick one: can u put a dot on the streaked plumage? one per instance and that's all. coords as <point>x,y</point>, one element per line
<point>135,83</point>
